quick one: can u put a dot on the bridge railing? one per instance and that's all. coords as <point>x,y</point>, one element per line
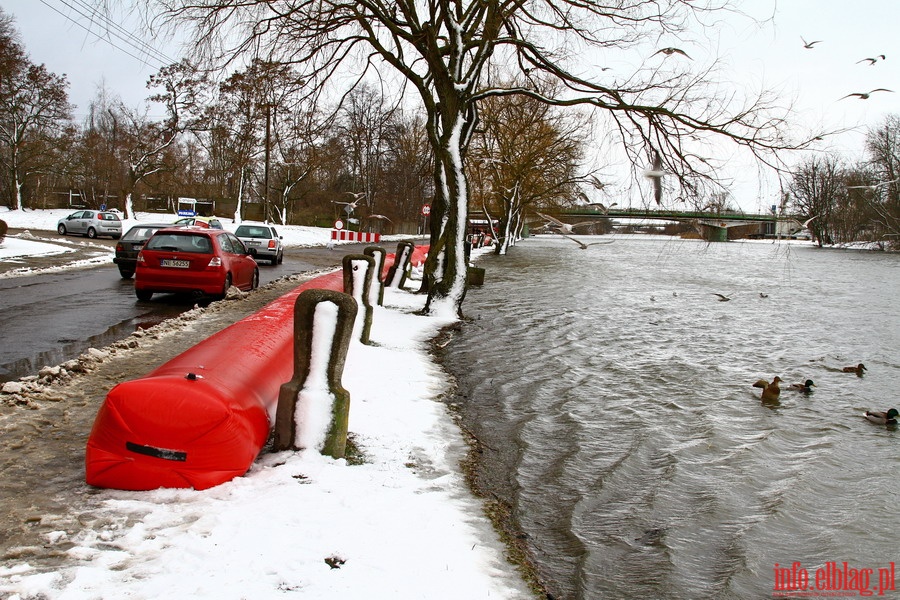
<point>676,215</point>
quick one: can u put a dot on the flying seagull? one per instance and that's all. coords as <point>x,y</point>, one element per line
<point>671,51</point>
<point>351,206</point>
<point>598,185</point>
<point>865,96</point>
<point>564,229</point>
<point>603,208</point>
<point>805,224</point>
<point>581,244</point>
<point>872,61</point>
<point>722,297</point>
<point>809,44</point>
<point>655,173</point>
<point>874,186</point>
<point>560,227</point>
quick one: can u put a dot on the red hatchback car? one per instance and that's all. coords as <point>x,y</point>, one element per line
<point>194,261</point>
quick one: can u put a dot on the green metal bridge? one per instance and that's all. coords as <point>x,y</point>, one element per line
<point>714,224</point>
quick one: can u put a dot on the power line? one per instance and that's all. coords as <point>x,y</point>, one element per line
<point>133,40</point>
<point>114,29</point>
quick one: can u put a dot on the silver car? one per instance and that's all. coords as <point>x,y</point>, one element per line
<point>264,239</point>
<point>91,223</point>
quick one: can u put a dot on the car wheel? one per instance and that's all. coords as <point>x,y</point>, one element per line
<point>254,281</point>
<point>274,260</point>
<point>61,229</point>
<point>125,273</point>
<point>280,257</point>
<point>91,232</point>
<point>115,237</point>
<point>143,294</point>
<point>227,284</point>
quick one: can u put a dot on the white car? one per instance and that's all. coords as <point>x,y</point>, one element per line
<point>92,223</point>
<point>264,239</point>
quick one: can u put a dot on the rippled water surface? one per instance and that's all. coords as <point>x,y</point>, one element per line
<point>612,391</point>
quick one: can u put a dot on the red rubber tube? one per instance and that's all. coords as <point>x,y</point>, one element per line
<point>201,419</point>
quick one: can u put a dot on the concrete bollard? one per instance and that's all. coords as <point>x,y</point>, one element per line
<point>323,325</point>
<point>376,292</point>
<point>396,277</point>
<point>359,270</point>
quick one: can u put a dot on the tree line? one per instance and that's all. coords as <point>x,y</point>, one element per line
<point>849,200</point>
<point>256,138</point>
<point>301,121</point>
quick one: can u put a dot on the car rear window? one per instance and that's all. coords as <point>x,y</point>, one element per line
<point>180,242</point>
<point>140,233</point>
<point>108,217</point>
<point>249,231</point>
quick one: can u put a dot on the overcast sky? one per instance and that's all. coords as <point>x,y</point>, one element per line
<point>816,78</point>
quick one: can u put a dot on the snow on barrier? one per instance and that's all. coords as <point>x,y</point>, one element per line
<point>342,235</point>
<point>201,419</point>
<point>358,275</point>
<point>313,407</point>
<point>376,293</point>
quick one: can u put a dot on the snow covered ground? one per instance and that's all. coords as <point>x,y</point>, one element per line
<point>400,526</point>
<point>38,222</point>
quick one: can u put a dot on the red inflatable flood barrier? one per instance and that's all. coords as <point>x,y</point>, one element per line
<point>201,419</point>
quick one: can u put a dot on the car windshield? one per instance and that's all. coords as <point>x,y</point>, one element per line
<point>180,242</point>
<point>250,231</point>
<point>140,233</point>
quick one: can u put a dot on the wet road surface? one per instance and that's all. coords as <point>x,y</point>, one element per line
<point>49,318</point>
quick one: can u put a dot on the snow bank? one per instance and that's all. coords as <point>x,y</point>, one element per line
<point>398,523</point>
<point>402,524</point>
<point>294,235</point>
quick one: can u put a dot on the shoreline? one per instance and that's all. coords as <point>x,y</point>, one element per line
<point>497,510</point>
<point>432,473</point>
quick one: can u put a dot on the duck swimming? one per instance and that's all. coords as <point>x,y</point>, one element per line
<point>883,418</point>
<point>858,369</point>
<point>770,391</point>
<point>805,387</point>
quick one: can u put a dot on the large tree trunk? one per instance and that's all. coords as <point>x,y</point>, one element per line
<point>445,268</point>
<point>240,198</point>
<point>129,206</point>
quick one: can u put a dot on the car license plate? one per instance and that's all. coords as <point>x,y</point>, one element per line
<point>253,243</point>
<point>180,264</point>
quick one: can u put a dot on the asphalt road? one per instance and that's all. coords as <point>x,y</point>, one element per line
<point>47,319</point>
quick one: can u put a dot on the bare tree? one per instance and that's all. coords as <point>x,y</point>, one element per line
<point>525,155</point>
<point>443,50</point>
<point>883,191</point>
<point>363,125</point>
<point>818,190</point>
<point>34,111</point>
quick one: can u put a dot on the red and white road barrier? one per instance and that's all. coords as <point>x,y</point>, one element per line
<point>342,235</point>
<point>201,419</point>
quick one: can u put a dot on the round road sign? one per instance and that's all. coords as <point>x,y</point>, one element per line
<point>338,224</point>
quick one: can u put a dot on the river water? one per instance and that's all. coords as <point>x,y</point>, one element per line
<point>612,392</point>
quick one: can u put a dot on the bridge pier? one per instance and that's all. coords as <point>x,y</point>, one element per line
<point>716,234</point>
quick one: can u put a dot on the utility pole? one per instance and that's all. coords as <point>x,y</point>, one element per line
<point>268,153</point>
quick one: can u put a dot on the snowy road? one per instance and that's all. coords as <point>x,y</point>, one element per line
<point>52,316</point>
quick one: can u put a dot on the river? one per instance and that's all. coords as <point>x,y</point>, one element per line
<point>611,389</point>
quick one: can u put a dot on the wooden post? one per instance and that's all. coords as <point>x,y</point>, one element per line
<point>357,283</point>
<point>396,277</point>
<point>376,292</point>
<point>307,338</point>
